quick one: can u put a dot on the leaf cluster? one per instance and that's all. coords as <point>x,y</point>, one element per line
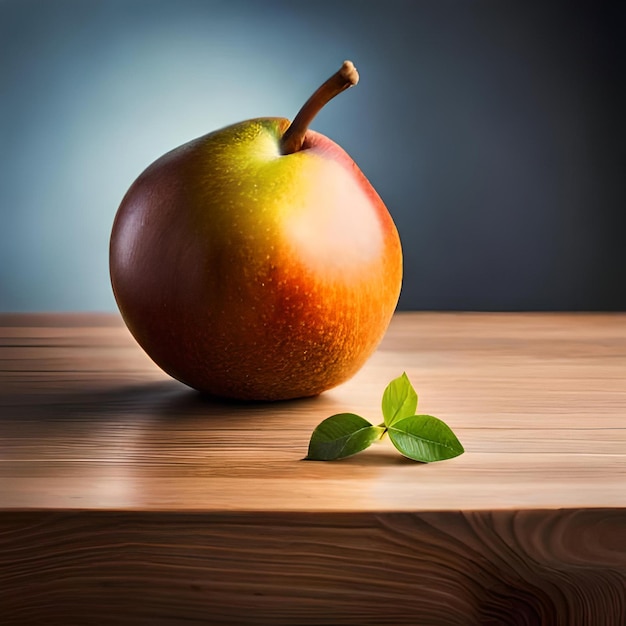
<point>419,437</point>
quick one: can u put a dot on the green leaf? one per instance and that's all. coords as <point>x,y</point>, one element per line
<point>340,436</point>
<point>399,400</point>
<point>425,438</point>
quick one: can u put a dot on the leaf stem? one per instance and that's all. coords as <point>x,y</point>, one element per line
<point>346,76</point>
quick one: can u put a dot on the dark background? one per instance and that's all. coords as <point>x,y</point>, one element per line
<point>494,131</point>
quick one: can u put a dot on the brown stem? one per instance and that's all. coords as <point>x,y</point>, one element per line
<point>293,138</point>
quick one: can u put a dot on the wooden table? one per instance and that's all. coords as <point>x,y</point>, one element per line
<point>125,497</point>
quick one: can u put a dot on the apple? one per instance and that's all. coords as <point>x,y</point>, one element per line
<point>257,262</point>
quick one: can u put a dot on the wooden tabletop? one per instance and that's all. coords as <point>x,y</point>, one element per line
<point>90,427</point>
<point>539,402</point>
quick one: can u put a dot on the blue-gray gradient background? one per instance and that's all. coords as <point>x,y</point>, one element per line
<point>494,131</point>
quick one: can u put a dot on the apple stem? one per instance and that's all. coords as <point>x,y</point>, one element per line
<point>293,138</point>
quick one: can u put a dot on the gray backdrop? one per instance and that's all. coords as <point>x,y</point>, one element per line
<point>494,131</point>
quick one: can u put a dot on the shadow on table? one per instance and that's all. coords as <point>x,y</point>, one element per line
<point>165,400</point>
<point>155,418</point>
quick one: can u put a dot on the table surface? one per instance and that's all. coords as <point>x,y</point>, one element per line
<point>88,422</point>
<point>126,497</point>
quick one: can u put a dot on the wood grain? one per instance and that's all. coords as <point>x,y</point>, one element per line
<point>127,498</point>
<point>516,568</point>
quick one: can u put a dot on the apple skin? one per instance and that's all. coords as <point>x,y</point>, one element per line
<point>253,275</point>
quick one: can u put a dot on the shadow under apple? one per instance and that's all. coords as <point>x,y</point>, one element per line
<point>165,419</point>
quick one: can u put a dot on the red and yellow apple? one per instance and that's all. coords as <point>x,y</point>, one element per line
<point>257,262</point>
